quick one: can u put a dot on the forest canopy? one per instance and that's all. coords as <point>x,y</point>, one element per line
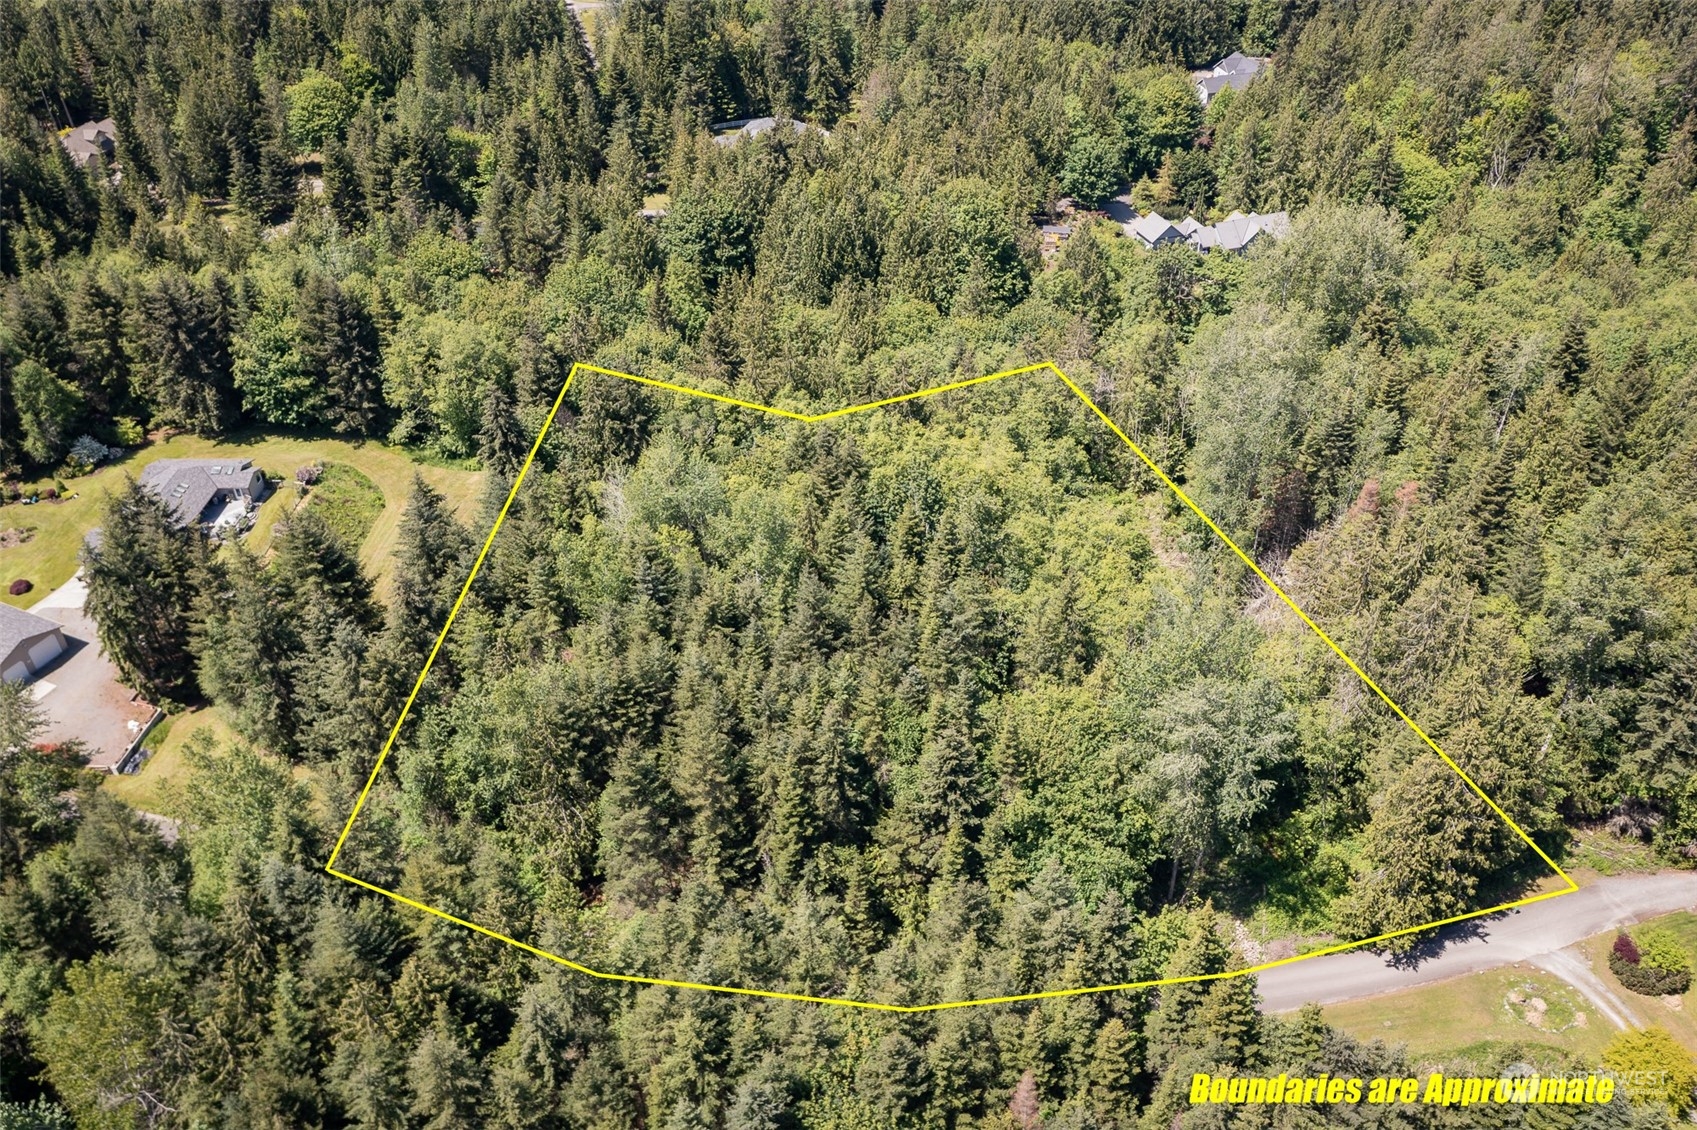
<point>946,700</point>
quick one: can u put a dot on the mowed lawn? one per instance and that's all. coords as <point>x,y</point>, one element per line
<point>158,785</point>
<point>1470,1014</point>
<point>49,558</point>
<point>154,787</point>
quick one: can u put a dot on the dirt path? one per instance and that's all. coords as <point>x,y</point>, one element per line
<point>1570,965</point>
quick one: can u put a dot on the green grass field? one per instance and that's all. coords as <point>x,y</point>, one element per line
<point>49,557</point>
<point>348,501</point>
<point>154,787</point>
<point>1471,1015</point>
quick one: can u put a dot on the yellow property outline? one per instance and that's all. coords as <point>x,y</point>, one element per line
<point>1049,994</point>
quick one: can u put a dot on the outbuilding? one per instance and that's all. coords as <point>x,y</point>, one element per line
<point>28,644</point>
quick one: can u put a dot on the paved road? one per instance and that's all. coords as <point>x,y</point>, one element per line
<point>1531,933</point>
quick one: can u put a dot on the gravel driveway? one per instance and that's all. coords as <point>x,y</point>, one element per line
<point>80,694</point>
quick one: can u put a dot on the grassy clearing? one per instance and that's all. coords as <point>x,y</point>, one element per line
<point>1515,1005</point>
<point>49,557</point>
<point>155,786</point>
<point>1601,851</point>
<point>1432,1020</point>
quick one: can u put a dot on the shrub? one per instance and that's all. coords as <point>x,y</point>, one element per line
<point>309,475</point>
<point>50,492</point>
<point>1661,950</point>
<point>1655,965</point>
<point>128,431</point>
<point>86,454</point>
<point>1657,1069</point>
<point>19,587</point>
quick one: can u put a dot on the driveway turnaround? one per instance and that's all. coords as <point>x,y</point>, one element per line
<point>80,694</point>
<point>1532,933</point>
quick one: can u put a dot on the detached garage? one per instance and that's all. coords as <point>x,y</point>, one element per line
<point>28,644</point>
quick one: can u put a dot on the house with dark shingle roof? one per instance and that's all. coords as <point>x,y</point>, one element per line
<point>28,644</point>
<point>200,490</point>
<point>90,140</point>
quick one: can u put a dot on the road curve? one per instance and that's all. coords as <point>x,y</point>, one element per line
<point>1542,928</point>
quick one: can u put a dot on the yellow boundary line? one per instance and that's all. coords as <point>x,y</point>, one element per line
<point>1051,994</point>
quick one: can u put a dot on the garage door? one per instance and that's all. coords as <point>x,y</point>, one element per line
<point>45,651</point>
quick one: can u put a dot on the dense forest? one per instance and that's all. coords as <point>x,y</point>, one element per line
<point>945,700</point>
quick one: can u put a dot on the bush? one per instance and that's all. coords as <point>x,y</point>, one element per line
<point>128,431</point>
<point>309,475</point>
<point>86,454</point>
<point>1655,965</point>
<point>19,587</point>
<point>50,492</point>
<point>1656,1068</point>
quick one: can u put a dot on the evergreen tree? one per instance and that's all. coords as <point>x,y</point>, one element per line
<point>247,639</point>
<point>445,1080</point>
<point>430,558</point>
<point>315,572</point>
<point>339,350</point>
<point>639,835</point>
<point>144,575</point>
<point>1572,357</point>
<point>179,349</point>
<point>501,444</point>
<point>1667,725</point>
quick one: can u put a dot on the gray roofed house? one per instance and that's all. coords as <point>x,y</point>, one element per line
<point>90,140</point>
<point>1234,72</point>
<point>729,133</point>
<point>28,644</point>
<point>1153,231</point>
<point>1234,233</point>
<point>191,487</point>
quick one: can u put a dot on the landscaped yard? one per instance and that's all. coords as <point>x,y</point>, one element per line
<point>49,557</point>
<point>1682,924</point>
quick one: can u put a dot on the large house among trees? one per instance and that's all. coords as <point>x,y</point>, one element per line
<point>1234,233</point>
<point>1234,72</point>
<point>90,140</point>
<point>210,491</point>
